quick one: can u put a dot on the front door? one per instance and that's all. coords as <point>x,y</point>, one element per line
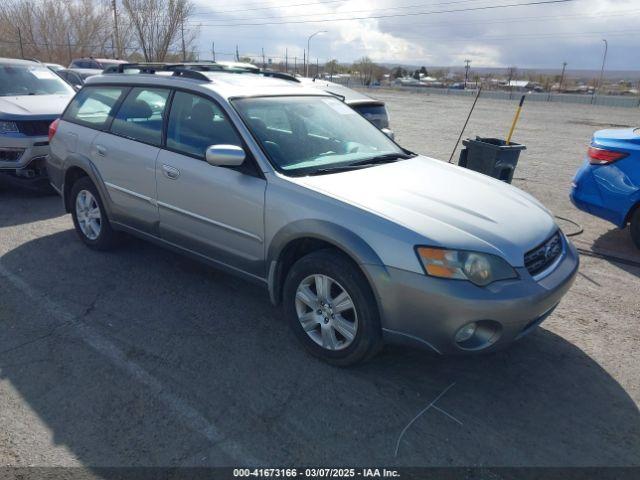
<point>214,211</point>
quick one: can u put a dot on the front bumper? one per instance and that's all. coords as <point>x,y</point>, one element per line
<point>29,166</point>
<point>425,311</point>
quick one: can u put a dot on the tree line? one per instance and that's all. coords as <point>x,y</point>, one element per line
<point>58,31</point>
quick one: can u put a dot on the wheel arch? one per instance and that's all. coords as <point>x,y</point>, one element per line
<point>631,212</point>
<point>303,237</point>
<point>77,167</point>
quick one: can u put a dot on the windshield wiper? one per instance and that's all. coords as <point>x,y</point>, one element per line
<point>367,162</point>
<point>384,158</point>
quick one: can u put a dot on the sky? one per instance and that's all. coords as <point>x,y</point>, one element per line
<point>427,32</point>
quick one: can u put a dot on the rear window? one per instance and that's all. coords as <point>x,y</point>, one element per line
<point>93,106</point>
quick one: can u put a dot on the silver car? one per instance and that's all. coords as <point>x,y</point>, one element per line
<point>361,241</point>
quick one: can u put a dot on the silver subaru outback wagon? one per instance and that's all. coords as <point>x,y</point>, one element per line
<point>361,241</point>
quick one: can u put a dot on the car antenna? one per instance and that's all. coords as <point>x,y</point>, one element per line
<point>465,123</point>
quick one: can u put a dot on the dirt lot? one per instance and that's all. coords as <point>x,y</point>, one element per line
<point>142,357</point>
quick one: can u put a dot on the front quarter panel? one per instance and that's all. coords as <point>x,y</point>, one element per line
<point>294,211</point>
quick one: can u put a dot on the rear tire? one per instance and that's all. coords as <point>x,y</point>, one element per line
<point>635,227</point>
<point>90,217</point>
<point>331,308</point>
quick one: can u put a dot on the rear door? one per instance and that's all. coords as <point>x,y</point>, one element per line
<point>126,156</point>
<point>217,212</point>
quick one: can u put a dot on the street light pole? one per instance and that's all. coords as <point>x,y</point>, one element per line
<point>306,73</point>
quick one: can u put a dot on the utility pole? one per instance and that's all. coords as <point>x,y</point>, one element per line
<point>317,67</point>
<point>263,63</point>
<point>564,66</point>
<point>295,65</point>
<point>286,60</point>
<point>466,72</point>
<point>115,28</point>
<point>604,59</point>
<point>184,48</point>
<point>305,68</point>
<point>213,51</point>
<point>69,47</point>
<point>21,46</point>
<point>237,54</point>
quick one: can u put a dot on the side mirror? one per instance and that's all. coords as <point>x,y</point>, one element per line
<point>225,155</point>
<point>388,133</point>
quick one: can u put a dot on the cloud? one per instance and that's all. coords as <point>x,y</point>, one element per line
<point>532,36</point>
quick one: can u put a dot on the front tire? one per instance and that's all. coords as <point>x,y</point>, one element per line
<point>331,308</point>
<point>89,216</point>
<point>635,227</point>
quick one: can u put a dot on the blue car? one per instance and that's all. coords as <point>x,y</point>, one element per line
<point>608,183</point>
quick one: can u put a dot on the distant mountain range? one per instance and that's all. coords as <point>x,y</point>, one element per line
<point>629,75</point>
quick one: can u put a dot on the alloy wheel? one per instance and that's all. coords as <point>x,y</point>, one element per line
<point>326,312</point>
<point>88,214</point>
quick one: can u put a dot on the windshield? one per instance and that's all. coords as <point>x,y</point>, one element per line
<point>107,63</point>
<point>16,80</point>
<point>308,134</point>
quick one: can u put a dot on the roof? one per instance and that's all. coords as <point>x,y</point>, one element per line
<point>100,60</point>
<point>519,83</point>
<point>351,97</point>
<point>18,61</point>
<point>227,85</point>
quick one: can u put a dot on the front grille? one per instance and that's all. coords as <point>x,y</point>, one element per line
<point>541,257</point>
<point>35,128</point>
<point>10,154</point>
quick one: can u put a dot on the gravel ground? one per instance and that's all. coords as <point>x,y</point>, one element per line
<point>143,357</point>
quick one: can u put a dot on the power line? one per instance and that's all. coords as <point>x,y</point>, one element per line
<point>348,11</point>
<point>279,5</point>
<point>525,19</point>
<point>395,15</point>
<point>271,6</point>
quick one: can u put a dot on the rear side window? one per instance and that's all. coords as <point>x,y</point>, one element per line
<point>92,106</point>
<point>196,123</point>
<point>140,115</point>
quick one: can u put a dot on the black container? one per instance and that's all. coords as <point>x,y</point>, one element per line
<point>491,156</point>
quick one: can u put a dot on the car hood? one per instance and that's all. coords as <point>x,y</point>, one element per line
<point>33,106</point>
<point>447,205</point>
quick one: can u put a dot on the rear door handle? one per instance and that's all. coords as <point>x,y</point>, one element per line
<point>100,150</point>
<point>170,172</point>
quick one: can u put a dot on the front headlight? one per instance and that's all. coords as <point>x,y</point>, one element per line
<point>8,127</point>
<point>479,268</point>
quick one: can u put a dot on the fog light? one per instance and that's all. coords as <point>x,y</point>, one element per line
<point>465,333</point>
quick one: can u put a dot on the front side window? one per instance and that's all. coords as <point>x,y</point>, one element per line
<point>140,115</point>
<point>92,106</point>
<point>196,123</point>
<point>322,133</point>
<point>17,80</point>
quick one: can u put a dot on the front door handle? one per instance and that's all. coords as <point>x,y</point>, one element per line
<point>170,172</point>
<point>100,150</point>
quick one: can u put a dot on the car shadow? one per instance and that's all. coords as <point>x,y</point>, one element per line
<point>21,205</point>
<point>617,244</point>
<point>143,357</point>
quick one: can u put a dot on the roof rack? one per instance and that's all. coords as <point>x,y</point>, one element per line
<point>280,75</point>
<point>190,73</point>
<point>183,70</point>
